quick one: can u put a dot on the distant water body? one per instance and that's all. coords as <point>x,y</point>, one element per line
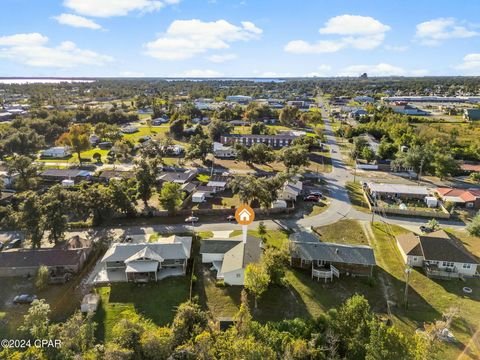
<point>22,81</point>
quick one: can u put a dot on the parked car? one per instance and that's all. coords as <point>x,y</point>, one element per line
<point>13,244</point>
<point>24,299</point>
<point>318,194</point>
<point>191,219</point>
<point>231,218</point>
<point>426,229</point>
<point>310,198</point>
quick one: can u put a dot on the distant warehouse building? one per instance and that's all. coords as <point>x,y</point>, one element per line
<point>241,99</point>
<point>275,141</point>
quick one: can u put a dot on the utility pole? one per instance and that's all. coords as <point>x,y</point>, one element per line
<point>408,270</point>
<point>420,172</point>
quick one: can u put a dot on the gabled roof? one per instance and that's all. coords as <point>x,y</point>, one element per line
<point>410,244</point>
<point>462,194</point>
<point>242,254</point>
<point>172,248</point>
<point>331,252</point>
<point>217,246</point>
<point>439,246</point>
<point>145,254</point>
<point>48,257</point>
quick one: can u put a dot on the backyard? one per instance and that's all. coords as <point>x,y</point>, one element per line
<point>155,301</point>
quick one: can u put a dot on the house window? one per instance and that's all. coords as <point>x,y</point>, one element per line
<point>238,275</point>
<point>414,258</point>
<point>448,264</point>
<point>466,266</point>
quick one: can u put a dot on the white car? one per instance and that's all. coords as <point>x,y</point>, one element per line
<point>191,219</point>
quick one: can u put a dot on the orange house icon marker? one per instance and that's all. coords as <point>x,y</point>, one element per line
<point>244,215</point>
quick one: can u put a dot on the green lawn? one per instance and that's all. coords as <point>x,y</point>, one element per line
<point>428,298</point>
<point>155,301</point>
<point>355,194</point>
<point>343,232</point>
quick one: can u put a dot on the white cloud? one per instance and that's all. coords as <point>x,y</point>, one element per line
<point>359,32</point>
<point>77,21</point>
<point>197,73</point>
<point>186,38</point>
<point>470,64</point>
<point>353,25</point>
<point>23,39</point>
<point>31,49</point>
<point>434,32</point>
<point>381,69</point>
<point>396,48</point>
<point>219,58</point>
<point>108,8</point>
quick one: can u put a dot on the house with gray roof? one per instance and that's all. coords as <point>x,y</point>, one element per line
<point>145,261</point>
<point>230,257</point>
<point>327,260</point>
<point>438,253</point>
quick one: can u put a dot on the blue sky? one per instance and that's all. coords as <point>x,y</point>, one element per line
<point>176,38</point>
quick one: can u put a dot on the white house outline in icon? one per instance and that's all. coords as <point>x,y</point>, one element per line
<point>244,215</point>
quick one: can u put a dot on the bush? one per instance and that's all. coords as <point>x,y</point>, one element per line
<point>220,283</point>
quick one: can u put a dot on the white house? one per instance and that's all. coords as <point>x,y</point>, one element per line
<point>291,190</point>
<point>230,257</point>
<point>58,152</point>
<point>438,253</point>
<point>222,151</point>
<point>145,261</point>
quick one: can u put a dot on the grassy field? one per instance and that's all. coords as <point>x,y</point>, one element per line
<point>355,194</point>
<point>343,232</point>
<point>155,301</point>
<point>428,298</point>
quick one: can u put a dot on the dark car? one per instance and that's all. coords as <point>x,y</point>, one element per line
<point>310,198</point>
<point>24,299</point>
<point>230,217</point>
<point>316,193</point>
<point>13,244</point>
<point>426,229</point>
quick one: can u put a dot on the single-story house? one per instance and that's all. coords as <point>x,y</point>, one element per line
<point>438,253</point>
<point>108,175</point>
<point>222,151</point>
<point>177,176</point>
<point>58,152</point>
<point>469,198</point>
<point>218,182</point>
<point>145,261</point>
<point>25,262</point>
<point>159,121</point>
<point>290,190</point>
<point>230,257</point>
<point>470,168</point>
<point>209,191</point>
<point>65,174</point>
<point>330,259</point>
<point>397,191</point>
<point>471,114</point>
